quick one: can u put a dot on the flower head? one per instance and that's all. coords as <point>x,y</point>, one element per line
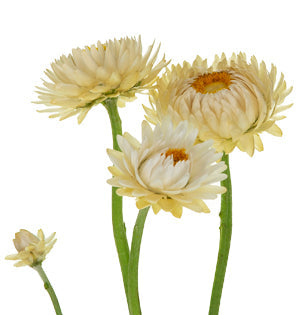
<point>89,76</point>
<point>231,102</point>
<point>167,170</point>
<point>32,249</point>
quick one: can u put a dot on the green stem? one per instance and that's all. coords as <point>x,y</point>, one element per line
<point>111,106</point>
<point>225,238</point>
<point>133,262</point>
<point>49,288</point>
<point>119,228</point>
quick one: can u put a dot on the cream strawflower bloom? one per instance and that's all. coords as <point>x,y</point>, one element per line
<point>32,249</point>
<point>89,76</point>
<point>167,170</point>
<point>231,102</point>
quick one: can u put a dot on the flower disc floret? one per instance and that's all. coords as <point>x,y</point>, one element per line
<point>89,76</point>
<point>231,102</point>
<point>167,170</point>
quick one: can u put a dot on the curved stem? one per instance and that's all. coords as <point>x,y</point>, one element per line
<point>225,238</point>
<point>49,288</point>
<point>133,262</point>
<point>119,229</point>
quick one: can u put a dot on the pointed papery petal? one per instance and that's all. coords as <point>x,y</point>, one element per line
<point>12,257</point>
<point>115,171</point>
<point>171,206</point>
<point>206,192</point>
<point>282,108</point>
<point>124,145</point>
<point>114,182</point>
<point>146,133</point>
<point>246,144</point>
<point>154,198</point>
<point>133,141</point>
<point>156,208</point>
<point>202,207</point>
<point>141,204</point>
<point>83,114</point>
<point>124,192</point>
<point>274,130</point>
<point>177,211</point>
<point>116,158</point>
<point>258,143</point>
<point>21,264</point>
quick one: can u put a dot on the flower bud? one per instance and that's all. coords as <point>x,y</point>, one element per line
<point>32,249</point>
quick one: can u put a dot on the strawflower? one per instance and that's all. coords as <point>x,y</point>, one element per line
<point>167,170</point>
<point>231,102</point>
<point>89,76</point>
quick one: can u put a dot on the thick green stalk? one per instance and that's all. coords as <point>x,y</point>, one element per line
<point>224,245</point>
<point>119,229</point>
<point>49,288</point>
<point>133,263</point>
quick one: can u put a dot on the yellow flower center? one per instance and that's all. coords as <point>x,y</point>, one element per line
<point>177,155</point>
<point>211,82</point>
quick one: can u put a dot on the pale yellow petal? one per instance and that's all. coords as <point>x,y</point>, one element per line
<point>246,144</point>
<point>156,208</point>
<point>141,204</point>
<point>258,143</point>
<point>274,130</point>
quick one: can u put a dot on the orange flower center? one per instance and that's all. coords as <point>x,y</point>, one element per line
<point>177,155</point>
<point>211,82</point>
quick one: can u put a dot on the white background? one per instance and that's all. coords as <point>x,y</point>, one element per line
<point>53,174</point>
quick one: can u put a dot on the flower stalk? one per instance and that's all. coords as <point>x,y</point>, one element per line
<point>119,229</point>
<point>134,302</point>
<point>111,106</point>
<point>225,238</point>
<point>49,288</point>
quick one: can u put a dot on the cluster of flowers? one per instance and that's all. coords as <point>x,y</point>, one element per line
<point>199,113</point>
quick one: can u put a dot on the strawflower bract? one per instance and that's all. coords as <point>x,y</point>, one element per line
<point>89,76</point>
<point>167,171</point>
<point>231,102</point>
